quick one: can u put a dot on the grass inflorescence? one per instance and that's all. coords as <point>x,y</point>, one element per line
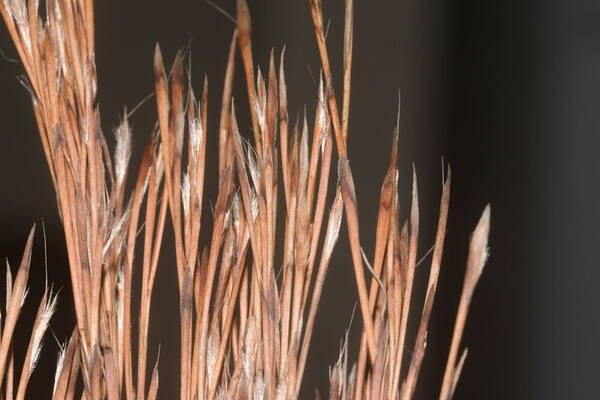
<point>249,295</point>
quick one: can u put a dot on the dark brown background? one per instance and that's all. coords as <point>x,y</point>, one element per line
<point>507,92</point>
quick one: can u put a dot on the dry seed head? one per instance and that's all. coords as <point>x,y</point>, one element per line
<point>116,230</point>
<point>59,365</point>
<point>252,166</point>
<point>123,149</point>
<point>196,135</point>
<point>61,56</point>
<point>333,226</point>
<point>235,210</point>
<point>40,329</point>
<point>478,248</point>
<point>260,100</point>
<point>59,41</point>
<point>18,11</point>
<point>185,194</point>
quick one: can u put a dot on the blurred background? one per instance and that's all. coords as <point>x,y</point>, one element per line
<point>505,92</point>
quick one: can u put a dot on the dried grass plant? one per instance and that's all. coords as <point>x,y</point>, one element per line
<point>249,296</point>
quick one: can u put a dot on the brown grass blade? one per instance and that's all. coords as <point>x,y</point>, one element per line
<point>478,253</point>
<point>420,342</point>
<point>349,197</point>
<point>18,292</point>
<point>244,27</point>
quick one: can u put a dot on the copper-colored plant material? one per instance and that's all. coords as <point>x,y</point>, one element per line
<point>248,297</point>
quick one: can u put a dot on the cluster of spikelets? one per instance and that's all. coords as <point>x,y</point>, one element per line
<point>248,297</point>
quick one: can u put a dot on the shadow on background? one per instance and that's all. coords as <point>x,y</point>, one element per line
<point>505,92</point>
